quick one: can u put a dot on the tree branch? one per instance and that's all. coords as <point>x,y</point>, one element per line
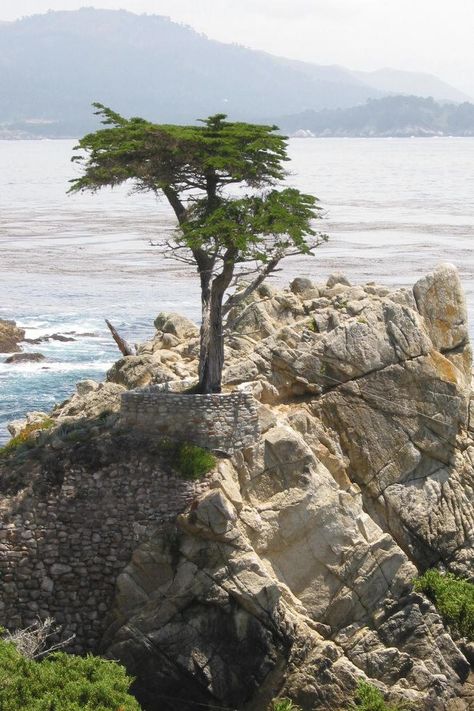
<point>237,299</point>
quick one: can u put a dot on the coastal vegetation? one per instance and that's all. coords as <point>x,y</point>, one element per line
<point>369,698</point>
<point>402,116</point>
<point>62,681</point>
<point>453,598</point>
<point>27,437</point>
<point>187,459</point>
<point>235,241</point>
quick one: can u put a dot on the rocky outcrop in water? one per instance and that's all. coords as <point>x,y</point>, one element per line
<point>291,575</point>
<point>25,358</point>
<point>10,336</point>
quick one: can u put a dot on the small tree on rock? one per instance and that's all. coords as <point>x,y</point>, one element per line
<point>230,236</point>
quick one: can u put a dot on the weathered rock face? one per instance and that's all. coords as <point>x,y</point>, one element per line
<point>292,576</point>
<point>90,401</point>
<point>10,336</point>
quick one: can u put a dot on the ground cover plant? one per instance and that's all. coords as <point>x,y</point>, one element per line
<point>62,681</point>
<point>369,698</point>
<point>452,597</point>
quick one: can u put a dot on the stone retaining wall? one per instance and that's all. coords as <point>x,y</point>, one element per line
<point>226,422</point>
<point>62,549</point>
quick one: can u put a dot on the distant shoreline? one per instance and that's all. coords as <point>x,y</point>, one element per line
<point>15,139</point>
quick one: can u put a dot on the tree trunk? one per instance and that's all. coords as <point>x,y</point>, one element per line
<point>211,361</point>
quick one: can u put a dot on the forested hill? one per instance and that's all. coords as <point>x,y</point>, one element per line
<point>401,116</point>
<point>53,66</point>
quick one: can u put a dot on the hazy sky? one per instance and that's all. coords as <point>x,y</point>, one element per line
<point>422,35</point>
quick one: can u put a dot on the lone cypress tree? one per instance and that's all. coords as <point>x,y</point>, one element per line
<point>229,236</point>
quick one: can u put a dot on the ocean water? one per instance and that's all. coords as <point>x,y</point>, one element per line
<point>394,208</point>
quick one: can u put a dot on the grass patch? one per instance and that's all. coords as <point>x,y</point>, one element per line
<point>193,462</point>
<point>189,460</point>
<point>452,597</point>
<point>27,436</point>
<point>369,698</point>
<point>284,705</point>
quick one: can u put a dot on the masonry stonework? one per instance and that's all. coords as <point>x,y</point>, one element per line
<point>225,422</point>
<point>62,549</point>
<point>71,527</point>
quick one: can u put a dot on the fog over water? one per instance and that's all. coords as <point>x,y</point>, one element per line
<point>394,209</point>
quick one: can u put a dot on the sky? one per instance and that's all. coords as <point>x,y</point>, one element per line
<point>431,36</point>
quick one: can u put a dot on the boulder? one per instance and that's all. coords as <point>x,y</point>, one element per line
<point>91,402</point>
<point>337,278</point>
<point>25,358</point>
<point>304,287</point>
<point>141,370</point>
<point>10,336</point>
<point>176,325</point>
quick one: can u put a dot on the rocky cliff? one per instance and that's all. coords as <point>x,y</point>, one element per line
<point>290,572</point>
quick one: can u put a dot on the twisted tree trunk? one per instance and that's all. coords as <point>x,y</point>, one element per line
<point>211,359</point>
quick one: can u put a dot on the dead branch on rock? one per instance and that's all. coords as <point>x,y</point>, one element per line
<point>124,348</point>
<point>36,641</point>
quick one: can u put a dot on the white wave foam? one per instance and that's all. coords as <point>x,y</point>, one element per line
<point>53,368</point>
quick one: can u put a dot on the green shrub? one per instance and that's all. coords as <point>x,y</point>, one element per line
<point>27,437</point>
<point>369,698</point>
<point>284,705</point>
<point>452,597</point>
<point>193,462</point>
<point>62,682</point>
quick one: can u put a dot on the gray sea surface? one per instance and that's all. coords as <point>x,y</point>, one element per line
<point>394,209</point>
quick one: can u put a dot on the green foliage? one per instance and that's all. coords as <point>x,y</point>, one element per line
<point>194,167</point>
<point>62,682</point>
<point>453,598</point>
<point>27,437</point>
<point>184,157</point>
<point>284,705</point>
<point>189,460</point>
<point>193,462</point>
<point>204,159</point>
<point>369,698</point>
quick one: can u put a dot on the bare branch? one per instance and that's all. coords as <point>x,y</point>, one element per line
<point>240,296</point>
<point>32,642</point>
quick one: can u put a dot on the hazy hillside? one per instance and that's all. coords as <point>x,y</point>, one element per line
<point>390,116</point>
<point>393,81</point>
<point>53,66</point>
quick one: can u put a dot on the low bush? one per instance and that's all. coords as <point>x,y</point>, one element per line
<point>62,681</point>
<point>193,462</point>
<point>452,597</point>
<point>369,698</point>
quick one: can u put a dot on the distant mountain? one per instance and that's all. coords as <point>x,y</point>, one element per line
<point>53,66</point>
<point>393,81</point>
<point>397,116</point>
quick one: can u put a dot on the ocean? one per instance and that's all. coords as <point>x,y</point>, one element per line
<point>394,209</point>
